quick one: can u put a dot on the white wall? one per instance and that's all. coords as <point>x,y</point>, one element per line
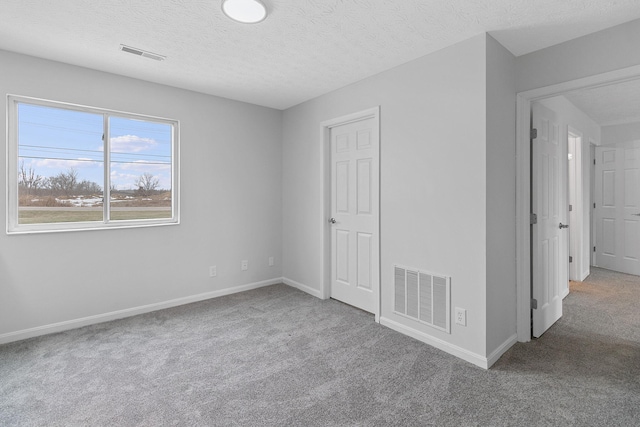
<point>231,206</point>
<point>570,116</point>
<point>620,133</point>
<point>501,197</point>
<point>433,183</point>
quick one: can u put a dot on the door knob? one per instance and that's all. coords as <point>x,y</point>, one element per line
<point>332,221</point>
<point>638,214</point>
<point>563,226</point>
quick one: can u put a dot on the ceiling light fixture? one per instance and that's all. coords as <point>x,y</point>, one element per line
<point>245,11</point>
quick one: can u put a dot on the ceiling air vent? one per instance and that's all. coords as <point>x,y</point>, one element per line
<point>140,52</point>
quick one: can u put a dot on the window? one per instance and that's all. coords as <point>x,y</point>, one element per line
<point>72,167</point>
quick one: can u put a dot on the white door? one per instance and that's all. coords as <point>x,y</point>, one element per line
<point>617,209</point>
<point>550,257</point>
<point>354,213</point>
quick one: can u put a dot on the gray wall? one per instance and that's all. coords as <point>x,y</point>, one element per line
<point>501,196</point>
<point>433,181</point>
<point>231,206</point>
<point>596,53</point>
<point>446,187</point>
<point>615,134</point>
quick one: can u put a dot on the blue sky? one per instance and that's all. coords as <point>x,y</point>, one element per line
<point>52,140</point>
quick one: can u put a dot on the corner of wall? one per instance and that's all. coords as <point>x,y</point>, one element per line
<point>500,199</point>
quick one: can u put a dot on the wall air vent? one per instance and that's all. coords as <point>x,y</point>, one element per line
<point>423,296</point>
<point>143,53</point>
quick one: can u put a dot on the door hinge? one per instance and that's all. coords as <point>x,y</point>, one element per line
<point>594,206</point>
<point>533,219</point>
<point>570,258</point>
<point>570,208</point>
<point>533,134</point>
<point>594,249</point>
<point>534,304</point>
<point>594,161</point>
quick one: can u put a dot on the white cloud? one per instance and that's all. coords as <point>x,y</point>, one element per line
<point>144,166</point>
<point>65,164</point>
<point>123,181</point>
<point>132,144</point>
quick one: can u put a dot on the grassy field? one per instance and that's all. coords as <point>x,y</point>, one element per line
<point>46,216</point>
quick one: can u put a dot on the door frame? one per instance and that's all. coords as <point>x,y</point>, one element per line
<point>325,144</point>
<point>576,186</point>
<point>592,198</point>
<point>523,181</point>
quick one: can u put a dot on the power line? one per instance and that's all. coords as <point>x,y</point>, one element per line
<point>94,161</point>
<point>93,151</point>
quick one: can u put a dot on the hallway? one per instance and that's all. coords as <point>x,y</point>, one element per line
<point>595,346</point>
<point>605,303</point>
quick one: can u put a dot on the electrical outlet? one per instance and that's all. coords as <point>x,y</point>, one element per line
<point>213,271</point>
<point>271,263</point>
<point>461,316</point>
<point>244,265</point>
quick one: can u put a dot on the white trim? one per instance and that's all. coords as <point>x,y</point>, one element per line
<point>304,288</point>
<point>454,350</point>
<point>584,275</point>
<point>498,352</point>
<point>325,164</point>
<point>325,173</point>
<point>370,113</point>
<point>592,198</point>
<point>523,209</point>
<point>523,193</point>
<point>128,312</point>
<point>576,231</point>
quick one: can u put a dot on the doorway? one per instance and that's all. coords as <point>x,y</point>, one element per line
<point>617,207</point>
<point>523,183</point>
<point>351,174</point>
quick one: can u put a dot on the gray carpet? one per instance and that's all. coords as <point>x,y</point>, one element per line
<point>276,356</point>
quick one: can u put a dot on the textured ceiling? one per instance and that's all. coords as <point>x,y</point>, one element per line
<point>613,104</point>
<point>303,49</point>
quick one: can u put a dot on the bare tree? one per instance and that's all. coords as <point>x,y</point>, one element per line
<point>64,182</point>
<point>88,187</point>
<point>28,179</point>
<point>147,184</point>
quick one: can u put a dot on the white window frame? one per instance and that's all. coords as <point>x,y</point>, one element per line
<point>13,227</point>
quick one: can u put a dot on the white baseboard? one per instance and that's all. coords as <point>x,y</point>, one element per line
<point>454,350</point>
<point>498,352</point>
<point>304,288</point>
<point>128,312</point>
